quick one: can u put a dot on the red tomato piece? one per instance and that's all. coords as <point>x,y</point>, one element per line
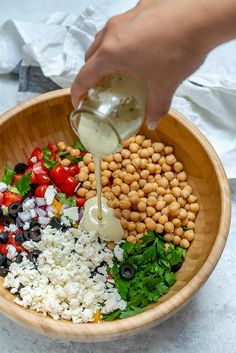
<point>59,174</point>
<point>69,186</point>
<point>80,201</point>
<point>53,150</point>
<point>2,228</point>
<point>3,249</point>
<point>1,197</point>
<point>33,176</point>
<point>39,168</point>
<point>73,169</point>
<point>10,197</point>
<point>43,178</point>
<point>40,190</point>
<point>36,153</point>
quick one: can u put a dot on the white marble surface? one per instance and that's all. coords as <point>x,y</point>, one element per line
<point>206,324</point>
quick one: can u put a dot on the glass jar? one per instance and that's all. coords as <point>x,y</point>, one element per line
<point>109,114</point>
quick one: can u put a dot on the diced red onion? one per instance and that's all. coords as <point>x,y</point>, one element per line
<point>41,212</point>
<point>43,220</point>
<point>77,186</point>
<point>40,201</point>
<point>50,208</point>
<point>33,213</point>
<point>63,207</point>
<point>37,168</point>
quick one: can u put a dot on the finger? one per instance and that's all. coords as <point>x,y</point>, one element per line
<point>96,44</point>
<point>91,74</point>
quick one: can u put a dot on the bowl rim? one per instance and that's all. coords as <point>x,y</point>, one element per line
<point>118,328</point>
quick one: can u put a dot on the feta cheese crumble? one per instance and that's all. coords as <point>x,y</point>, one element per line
<point>70,280</point>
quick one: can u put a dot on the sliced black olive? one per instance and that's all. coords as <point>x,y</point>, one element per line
<point>3,259</point>
<point>8,263</point>
<point>20,287</point>
<point>19,222</point>
<point>27,235</point>
<point>127,272</point>
<point>35,233</point>
<point>18,258</point>
<point>20,168</point>
<point>33,257</point>
<point>3,271</point>
<point>19,238</point>
<point>55,223</point>
<point>176,267</point>
<point>7,220</point>
<point>1,213</point>
<point>14,208</point>
<point>3,237</point>
<point>34,222</point>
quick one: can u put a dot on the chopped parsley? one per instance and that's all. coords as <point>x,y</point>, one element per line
<point>8,176</point>
<point>70,201</point>
<point>80,146</point>
<point>48,162</point>
<point>23,184</point>
<point>152,260</point>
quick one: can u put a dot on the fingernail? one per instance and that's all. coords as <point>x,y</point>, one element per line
<point>152,125</point>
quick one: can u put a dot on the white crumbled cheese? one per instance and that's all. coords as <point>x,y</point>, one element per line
<point>11,228</point>
<point>50,194</point>
<point>118,252</point>
<point>66,284</point>
<point>33,160</point>
<point>72,213</point>
<point>11,252</point>
<point>25,216</point>
<point>26,225</point>
<point>28,205</point>
<point>3,186</point>
<point>65,221</point>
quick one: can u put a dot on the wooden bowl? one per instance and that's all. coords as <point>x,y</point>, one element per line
<point>44,119</point>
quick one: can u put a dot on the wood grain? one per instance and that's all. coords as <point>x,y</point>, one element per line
<point>45,119</point>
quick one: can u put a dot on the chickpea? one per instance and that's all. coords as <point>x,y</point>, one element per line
<point>68,149</point>
<point>158,170</point>
<point>107,173</point>
<point>185,193</point>
<point>136,176</point>
<point>84,169</point>
<point>116,190</point>
<point>124,223</point>
<point>123,197</point>
<point>140,227</point>
<point>139,237</point>
<point>168,198</point>
<point>126,214</point>
<point>133,232</point>
<point>143,163</point>
<point>189,235</point>
<point>94,185</point>
<point>187,207</point>
<point>134,186</point>
<point>156,157</point>
<point>174,209</point>
<point>160,205</point>
<point>191,225</point>
<point>150,224</point>
<point>163,182</point>
<point>90,194</point>
<point>162,160</point>
<point>178,167</point>
<point>106,188</point>
<point>151,201</point>
<point>61,146</point>
<point>128,179</point>
<point>181,202</point>
<point>133,147</point>
<point>91,167</point>
<point>181,176</point>
<point>111,203</point>
<point>140,193</point>
<point>65,162</point>
<point>125,235</point>
<point>169,227</point>
<point>182,213</point>
<point>165,210</point>
<point>142,182</point>
<point>176,222</point>
<point>125,153</point>
<point>87,158</point>
<point>108,195</point>
<point>142,206</point>
<point>144,153</point>
<point>146,143</point>
<point>165,168</point>
<point>81,192</point>
<point>134,200</point>
<point>75,153</point>
<point>122,175</point>
<point>184,243</point>
<point>83,176</point>
<point>134,216</point>
<point>113,166</point>
<point>168,149</point>
<point>131,239</point>
<point>191,216</point>
<point>108,159</point>
<point>91,177</point>
<point>148,187</point>
<point>150,150</point>
<point>130,168</point>
<point>168,237</point>
<point>117,157</point>
<point>154,193</point>
<point>170,159</point>
<point>117,181</point>
<point>156,216</point>
<point>125,204</point>
<point>163,219</point>
<point>139,140</point>
<point>192,199</point>
<point>131,226</point>
<point>169,176</point>
<point>104,165</point>
<point>150,211</point>
<point>142,216</point>
<point>136,162</point>
<point>151,168</point>
<point>81,164</point>
<point>119,166</point>
<point>104,180</point>
<point>176,240</point>
<point>176,191</point>
<point>179,231</point>
<point>174,183</point>
<point>184,222</point>
<point>144,174</point>
<point>159,228</point>
<point>127,142</point>
<point>124,188</point>
<point>194,207</point>
<point>111,245</point>
<point>87,184</point>
<point>183,184</point>
<point>158,146</point>
<point>161,191</point>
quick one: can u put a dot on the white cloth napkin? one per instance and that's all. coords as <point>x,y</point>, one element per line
<point>48,55</point>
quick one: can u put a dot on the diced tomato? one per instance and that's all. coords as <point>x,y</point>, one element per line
<point>10,197</point>
<point>16,177</point>
<point>73,169</point>
<point>53,150</point>
<point>33,176</point>
<point>59,174</point>
<point>40,190</point>
<point>11,238</point>
<point>80,201</point>
<point>18,247</point>
<point>3,249</point>
<point>39,168</point>
<point>1,197</point>
<point>69,185</point>
<point>82,153</point>
<point>43,178</point>
<point>36,153</point>
<point>2,228</point>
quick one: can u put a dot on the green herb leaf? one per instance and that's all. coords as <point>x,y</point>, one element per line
<point>62,153</point>
<point>8,176</point>
<point>80,146</point>
<point>70,202</point>
<point>111,316</point>
<point>130,312</point>
<point>23,184</point>
<point>48,162</point>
